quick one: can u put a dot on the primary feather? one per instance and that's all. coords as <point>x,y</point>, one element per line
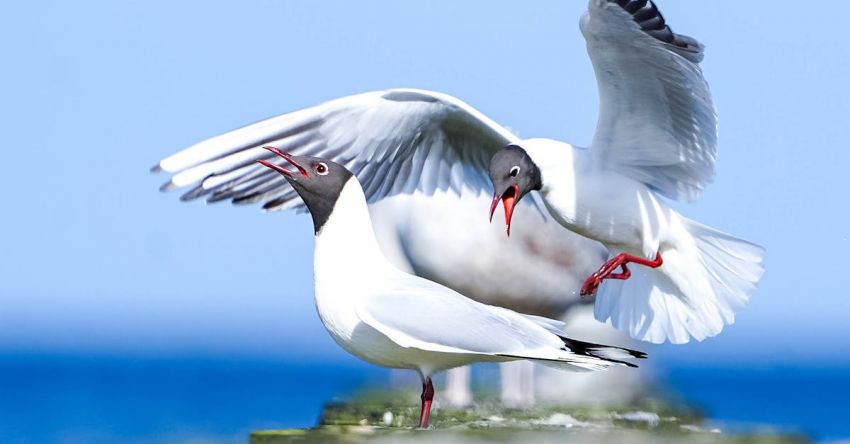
<point>394,141</point>
<point>657,122</point>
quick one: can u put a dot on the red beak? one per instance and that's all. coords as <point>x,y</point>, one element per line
<point>279,168</point>
<point>508,198</point>
<point>275,167</point>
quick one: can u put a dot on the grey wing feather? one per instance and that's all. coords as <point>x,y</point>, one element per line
<point>394,141</point>
<point>422,314</point>
<point>657,122</point>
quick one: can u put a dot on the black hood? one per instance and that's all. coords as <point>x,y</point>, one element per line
<point>318,181</point>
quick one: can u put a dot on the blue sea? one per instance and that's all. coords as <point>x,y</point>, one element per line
<point>109,399</point>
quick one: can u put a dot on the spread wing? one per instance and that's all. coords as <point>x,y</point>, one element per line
<point>394,141</point>
<point>656,121</point>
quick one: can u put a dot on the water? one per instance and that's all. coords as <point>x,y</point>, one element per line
<point>72,400</point>
<point>808,400</point>
<point>68,399</point>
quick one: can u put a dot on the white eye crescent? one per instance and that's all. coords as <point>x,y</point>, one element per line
<point>514,171</point>
<point>321,169</point>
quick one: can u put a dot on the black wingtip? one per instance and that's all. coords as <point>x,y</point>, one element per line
<point>600,351</point>
<point>194,193</point>
<point>220,196</point>
<point>247,199</point>
<point>167,186</point>
<point>156,169</point>
<point>647,15</point>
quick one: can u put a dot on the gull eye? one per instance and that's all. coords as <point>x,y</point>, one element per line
<point>514,171</point>
<point>321,169</point>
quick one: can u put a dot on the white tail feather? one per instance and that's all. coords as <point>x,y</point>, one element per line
<point>705,279</point>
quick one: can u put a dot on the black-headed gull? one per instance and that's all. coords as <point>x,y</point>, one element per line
<point>656,136</point>
<point>398,320</point>
<point>422,156</point>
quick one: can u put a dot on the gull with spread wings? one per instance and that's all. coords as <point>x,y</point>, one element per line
<point>656,136</point>
<point>423,160</point>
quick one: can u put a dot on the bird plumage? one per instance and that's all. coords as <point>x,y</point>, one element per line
<point>657,122</point>
<point>418,152</point>
<point>396,142</point>
<point>400,320</point>
<point>706,275</point>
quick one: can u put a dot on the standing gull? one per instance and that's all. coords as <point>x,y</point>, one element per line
<point>422,157</point>
<point>399,320</point>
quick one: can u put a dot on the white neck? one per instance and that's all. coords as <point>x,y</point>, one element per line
<point>346,247</point>
<point>348,264</point>
<point>559,162</point>
<point>561,167</point>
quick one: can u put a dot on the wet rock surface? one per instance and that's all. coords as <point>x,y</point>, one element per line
<point>375,418</point>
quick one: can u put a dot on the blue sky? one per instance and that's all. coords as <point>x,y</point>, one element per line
<point>95,260</point>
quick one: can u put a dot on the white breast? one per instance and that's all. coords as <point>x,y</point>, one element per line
<point>349,267</point>
<point>619,212</point>
<point>347,263</point>
<point>600,204</point>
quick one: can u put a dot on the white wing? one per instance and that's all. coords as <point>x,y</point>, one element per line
<point>656,120</point>
<point>424,315</point>
<point>394,141</point>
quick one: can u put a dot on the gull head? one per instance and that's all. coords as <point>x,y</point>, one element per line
<point>514,175</point>
<point>318,181</point>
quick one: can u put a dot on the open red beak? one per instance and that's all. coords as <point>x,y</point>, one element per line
<point>279,168</point>
<point>508,198</point>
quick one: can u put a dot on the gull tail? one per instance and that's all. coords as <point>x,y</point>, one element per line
<point>614,355</point>
<point>706,277</point>
<point>586,356</point>
<point>575,355</point>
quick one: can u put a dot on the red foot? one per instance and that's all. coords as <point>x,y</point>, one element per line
<point>427,397</point>
<point>606,271</point>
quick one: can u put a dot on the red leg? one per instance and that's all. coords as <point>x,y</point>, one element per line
<point>624,275</point>
<point>427,397</point>
<point>606,271</point>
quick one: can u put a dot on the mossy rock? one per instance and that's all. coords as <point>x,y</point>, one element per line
<point>393,417</point>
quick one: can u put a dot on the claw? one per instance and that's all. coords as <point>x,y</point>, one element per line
<point>590,286</point>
